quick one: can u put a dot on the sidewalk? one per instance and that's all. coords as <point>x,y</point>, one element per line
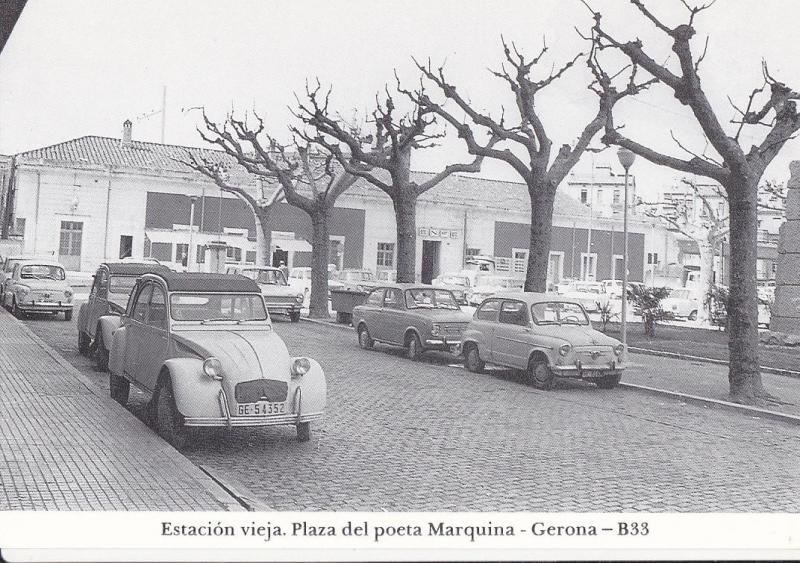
<point>66,445</point>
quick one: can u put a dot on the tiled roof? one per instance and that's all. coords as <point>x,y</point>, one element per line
<point>456,189</point>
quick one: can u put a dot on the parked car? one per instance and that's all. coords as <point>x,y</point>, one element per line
<point>8,267</point>
<point>681,303</point>
<point>460,283</point>
<point>487,285</point>
<point>300,278</point>
<point>417,317</point>
<point>544,334</point>
<point>353,279</point>
<point>279,296</point>
<point>589,294</point>
<point>109,294</point>
<point>386,276</point>
<point>613,288</point>
<point>202,347</point>
<point>38,286</point>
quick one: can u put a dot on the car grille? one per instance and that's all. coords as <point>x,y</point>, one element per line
<point>261,390</point>
<point>595,355</point>
<point>279,301</point>
<point>454,329</point>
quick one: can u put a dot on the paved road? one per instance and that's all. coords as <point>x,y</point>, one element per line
<point>401,435</point>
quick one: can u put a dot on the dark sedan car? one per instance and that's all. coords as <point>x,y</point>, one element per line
<point>416,317</point>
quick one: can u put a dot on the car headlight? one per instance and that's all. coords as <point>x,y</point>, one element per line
<point>436,330</point>
<point>23,290</point>
<point>68,294</point>
<point>300,366</point>
<point>564,349</point>
<point>619,349</point>
<point>212,367</point>
<point>299,297</point>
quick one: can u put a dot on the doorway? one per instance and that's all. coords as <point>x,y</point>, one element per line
<point>125,246</point>
<point>69,248</point>
<point>430,260</point>
<point>279,256</point>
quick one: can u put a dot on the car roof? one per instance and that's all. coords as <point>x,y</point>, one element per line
<point>271,268</point>
<point>203,282</point>
<point>40,262</point>
<point>532,298</point>
<point>133,268</point>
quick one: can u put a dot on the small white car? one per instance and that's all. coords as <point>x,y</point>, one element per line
<point>279,296</point>
<point>613,288</point>
<point>545,335</point>
<point>38,286</point>
<point>590,294</point>
<point>682,303</point>
<point>487,285</point>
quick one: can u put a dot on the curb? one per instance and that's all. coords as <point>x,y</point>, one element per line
<point>753,411</point>
<point>678,356</point>
<point>225,498</point>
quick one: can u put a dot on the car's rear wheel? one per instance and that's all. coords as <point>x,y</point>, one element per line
<point>169,420</point>
<point>100,353</point>
<point>84,343</point>
<point>119,388</point>
<point>540,374</point>
<point>472,359</point>
<point>608,381</point>
<point>304,432</point>
<point>67,315</point>
<point>364,339</point>
<point>294,316</point>
<point>414,347</point>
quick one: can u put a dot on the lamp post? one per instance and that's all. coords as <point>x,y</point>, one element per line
<point>626,158</point>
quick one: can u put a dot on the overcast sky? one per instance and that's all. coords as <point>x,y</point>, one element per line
<point>74,68</point>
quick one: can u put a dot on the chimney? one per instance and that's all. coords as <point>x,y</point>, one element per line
<point>127,128</point>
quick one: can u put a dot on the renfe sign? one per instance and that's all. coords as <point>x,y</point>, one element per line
<point>433,232</point>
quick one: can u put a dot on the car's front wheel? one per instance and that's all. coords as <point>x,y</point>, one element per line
<point>472,360</point>
<point>84,343</point>
<point>608,381</point>
<point>16,311</point>
<point>67,315</point>
<point>304,432</point>
<point>120,388</point>
<point>294,316</point>
<point>100,353</point>
<point>364,339</point>
<point>414,350</point>
<point>540,374</point>
<point>168,420</point>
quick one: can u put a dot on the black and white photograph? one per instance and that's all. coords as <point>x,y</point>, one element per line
<point>506,277</point>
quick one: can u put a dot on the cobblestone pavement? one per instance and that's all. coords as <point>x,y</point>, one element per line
<point>401,435</point>
<point>64,445</point>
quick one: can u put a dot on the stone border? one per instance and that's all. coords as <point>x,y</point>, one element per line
<point>678,356</point>
<point>226,499</point>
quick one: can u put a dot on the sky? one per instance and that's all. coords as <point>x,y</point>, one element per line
<point>81,67</point>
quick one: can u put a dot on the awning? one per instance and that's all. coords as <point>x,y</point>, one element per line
<point>289,245</point>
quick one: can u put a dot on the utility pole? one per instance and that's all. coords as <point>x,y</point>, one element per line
<point>163,112</point>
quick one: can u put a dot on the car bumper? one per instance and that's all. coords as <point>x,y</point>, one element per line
<point>44,307</point>
<point>444,344</point>
<point>273,420</point>
<point>587,372</point>
<point>284,308</point>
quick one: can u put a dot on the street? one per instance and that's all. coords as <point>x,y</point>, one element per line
<point>430,436</point>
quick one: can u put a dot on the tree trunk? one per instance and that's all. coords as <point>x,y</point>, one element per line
<point>706,284</point>
<point>263,238</point>
<point>743,374</point>
<point>320,248</point>
<point>542,198</point>
<point>405,214</point>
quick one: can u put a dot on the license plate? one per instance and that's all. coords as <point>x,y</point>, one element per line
<point>47,297</point>
<point>261,409</point>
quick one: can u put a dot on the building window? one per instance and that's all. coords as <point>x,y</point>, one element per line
<point>182,254</point>
<point>161,251</point>
<point>652,257</point>
<point>250,256</point>
<point>617,197</point>
<point>233,254</point>
<point>19,227</point>
<point>584,196</point>
<point>69,248</point>
<point>386,254</point>
<point>201,254</point>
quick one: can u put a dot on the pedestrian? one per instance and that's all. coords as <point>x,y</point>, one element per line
<point>283,268</point>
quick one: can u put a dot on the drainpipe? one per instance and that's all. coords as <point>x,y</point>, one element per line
<point>36,214</point>
<point>464,249</point>
<point>108,208</point>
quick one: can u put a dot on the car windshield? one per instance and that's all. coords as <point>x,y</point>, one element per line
<point>558,313</point>
<point>121,284</point>
<point>587,288</point>
<point>679,294</point>
<point>357,275</point>
<point>41,271</point>
<point>498,281</point>
<point>210,307</point>
<point>269,277</point>
<point>430,299</point>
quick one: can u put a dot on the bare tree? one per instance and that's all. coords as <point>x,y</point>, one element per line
<point>738,171</point>
<point>706,228</point>
<point>382,157</point>
<point>293,173</point>
<point>542,173</point>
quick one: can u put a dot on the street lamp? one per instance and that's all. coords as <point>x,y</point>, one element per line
<point>626,158</point>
